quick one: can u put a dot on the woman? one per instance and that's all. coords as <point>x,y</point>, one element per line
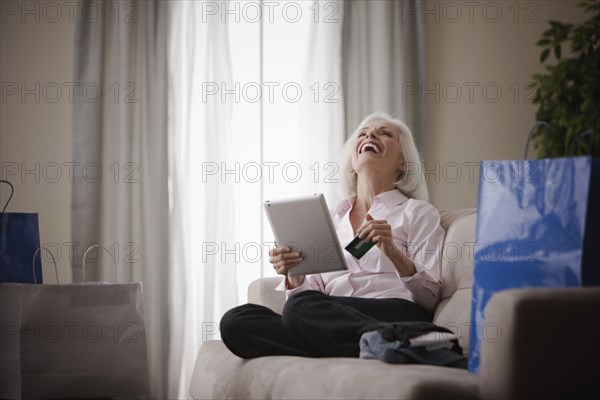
<point>398,280</point>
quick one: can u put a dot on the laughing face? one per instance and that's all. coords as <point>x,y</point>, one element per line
<point>377,148</point>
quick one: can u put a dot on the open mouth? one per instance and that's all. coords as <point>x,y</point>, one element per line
<point>369,146</point>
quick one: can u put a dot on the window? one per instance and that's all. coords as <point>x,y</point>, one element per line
<point>273,93</point>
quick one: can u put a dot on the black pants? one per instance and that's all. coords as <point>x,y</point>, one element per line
<point>312,325</point>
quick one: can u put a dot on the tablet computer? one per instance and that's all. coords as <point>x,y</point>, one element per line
<point>304,224</point>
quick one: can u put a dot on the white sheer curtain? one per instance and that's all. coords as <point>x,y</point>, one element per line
<point>241,132</point>
<point>201,210</point>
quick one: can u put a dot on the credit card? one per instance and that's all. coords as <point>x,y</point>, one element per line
<point>358,247</point>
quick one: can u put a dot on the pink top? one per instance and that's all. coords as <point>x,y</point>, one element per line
<point>416,231</point>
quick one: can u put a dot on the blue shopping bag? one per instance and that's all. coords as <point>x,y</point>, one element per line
<point>19,240</point>
<point>536,226</point>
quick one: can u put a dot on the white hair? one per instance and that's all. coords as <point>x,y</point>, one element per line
<point>411,182</point>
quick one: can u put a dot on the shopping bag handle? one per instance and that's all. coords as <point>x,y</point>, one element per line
<point>532,131</point>
<point>12,191</point>
<point>85,258</point>
<point>590,133</point>
<point>37,251</point>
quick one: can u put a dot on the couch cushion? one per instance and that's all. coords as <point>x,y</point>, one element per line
<point>262,291</point>
<point>454,309</point>
<point>458,253</point>
<point>455,314</point>
<point>219,374</point>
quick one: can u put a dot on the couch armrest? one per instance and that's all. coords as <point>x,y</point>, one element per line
<point>262,291</point>
<point>548,346</point>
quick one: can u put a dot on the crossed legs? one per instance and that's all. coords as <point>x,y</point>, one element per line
<point>312,325</point>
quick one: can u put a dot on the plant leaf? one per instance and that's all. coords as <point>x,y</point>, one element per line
<point>556,24</point>
<point>544,55</point>
<point>543,42</point>
<point>557,51</point>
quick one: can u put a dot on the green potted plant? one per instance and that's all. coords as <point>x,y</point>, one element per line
<point>568,93</point>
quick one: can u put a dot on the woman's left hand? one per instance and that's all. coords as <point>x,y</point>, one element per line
<point>380,232</point>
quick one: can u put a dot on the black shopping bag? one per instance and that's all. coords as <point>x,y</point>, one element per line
<point>536,227</point>
<point>19,240</point>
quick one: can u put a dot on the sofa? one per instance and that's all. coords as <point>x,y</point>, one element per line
<point>544,344</point>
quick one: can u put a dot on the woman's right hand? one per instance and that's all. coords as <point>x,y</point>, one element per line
<point>283,258</point>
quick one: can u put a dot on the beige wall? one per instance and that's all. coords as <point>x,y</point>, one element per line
<point>473,51</point>
<point>35,133</point>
